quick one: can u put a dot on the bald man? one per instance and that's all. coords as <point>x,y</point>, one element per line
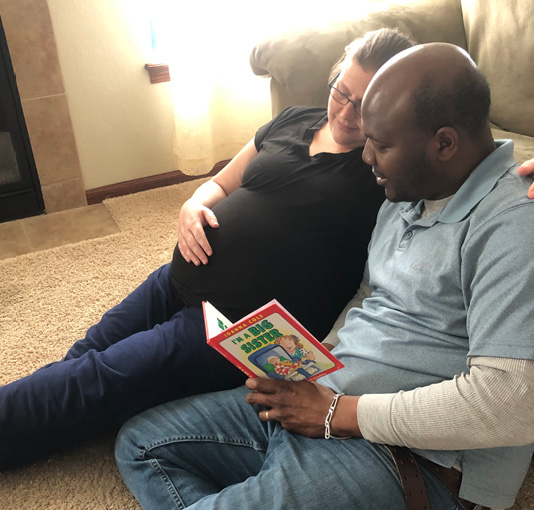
<point>438,359</point>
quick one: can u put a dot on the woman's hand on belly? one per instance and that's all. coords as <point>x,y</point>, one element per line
<point>192,241</point>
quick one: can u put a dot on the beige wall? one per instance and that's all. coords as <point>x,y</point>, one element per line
<point>123,124</point>
<point>92,114</point>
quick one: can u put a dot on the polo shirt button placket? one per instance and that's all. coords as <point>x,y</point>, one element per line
<point>405,239</point>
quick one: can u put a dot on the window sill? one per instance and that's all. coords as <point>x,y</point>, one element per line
<point>159,73</point>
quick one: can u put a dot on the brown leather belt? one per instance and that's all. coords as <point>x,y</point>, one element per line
<point>407,464</point>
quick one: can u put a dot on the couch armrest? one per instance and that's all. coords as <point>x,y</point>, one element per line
<point>299,62</point>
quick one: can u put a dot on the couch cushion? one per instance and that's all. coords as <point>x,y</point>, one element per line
<point>523,145</point>
<point>500,38</point>
<point>299,62</point>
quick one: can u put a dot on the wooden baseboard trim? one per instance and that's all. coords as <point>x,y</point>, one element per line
<point>97,195</point>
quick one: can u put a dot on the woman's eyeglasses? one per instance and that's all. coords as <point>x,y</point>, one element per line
<point>341,98</point>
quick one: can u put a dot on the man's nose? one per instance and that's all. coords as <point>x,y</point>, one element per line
<point>368,155</point>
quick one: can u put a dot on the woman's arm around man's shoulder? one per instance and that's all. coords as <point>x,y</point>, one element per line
<point>527,168</point>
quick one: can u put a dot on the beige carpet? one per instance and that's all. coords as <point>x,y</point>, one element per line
<point>48,300</point>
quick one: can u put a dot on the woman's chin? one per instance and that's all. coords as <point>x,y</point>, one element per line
<point>349,140</point>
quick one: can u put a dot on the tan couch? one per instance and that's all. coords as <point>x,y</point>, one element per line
<point>498,34</point>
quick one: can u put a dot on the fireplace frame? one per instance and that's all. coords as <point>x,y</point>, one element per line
<point>22,197</point>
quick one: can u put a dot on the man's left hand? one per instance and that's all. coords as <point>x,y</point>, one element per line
<point>300,407</point>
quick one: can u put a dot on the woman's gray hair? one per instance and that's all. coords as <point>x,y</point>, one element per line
<point>373,50</point>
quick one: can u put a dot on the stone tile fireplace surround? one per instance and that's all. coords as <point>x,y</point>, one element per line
<point>32,47</point>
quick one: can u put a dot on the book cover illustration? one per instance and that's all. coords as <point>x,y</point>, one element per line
<point>269,343</point>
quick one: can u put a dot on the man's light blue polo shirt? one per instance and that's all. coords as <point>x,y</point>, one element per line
<point>457,283</point>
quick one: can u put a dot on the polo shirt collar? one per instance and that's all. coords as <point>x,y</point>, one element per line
<point>481,181</point>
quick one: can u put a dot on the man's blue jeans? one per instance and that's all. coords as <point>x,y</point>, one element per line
<point>213,452</point>
<point>147,350</point>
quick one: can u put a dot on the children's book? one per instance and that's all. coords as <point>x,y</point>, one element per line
<point>269,343</point>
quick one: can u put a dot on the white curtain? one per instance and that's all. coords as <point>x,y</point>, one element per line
<point>219,103</point>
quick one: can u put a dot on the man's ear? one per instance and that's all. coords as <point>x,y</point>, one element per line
<point>445,143</point>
